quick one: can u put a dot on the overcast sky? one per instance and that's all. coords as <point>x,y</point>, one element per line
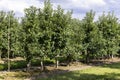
<point>79,7</point>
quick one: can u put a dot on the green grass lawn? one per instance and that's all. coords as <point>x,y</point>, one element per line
<point>105,72</point>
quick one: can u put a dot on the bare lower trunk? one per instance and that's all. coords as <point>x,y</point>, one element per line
<point>42,66</point>
<point>0,55</point>
<point>87,56</point>
<point>13,55</point>
<point>108,56</point>
<point>112,56</point>
<point>8,53</point>
<point>57,63</point>
<point>102,57</point>
<point>28,66</point>
<point>68,63</point>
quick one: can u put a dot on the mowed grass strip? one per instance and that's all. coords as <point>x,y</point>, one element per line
<point>105,72</point>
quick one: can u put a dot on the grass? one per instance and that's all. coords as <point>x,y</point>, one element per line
<point>105,72</point>
<point>1,77</point>
<point>14,75</point>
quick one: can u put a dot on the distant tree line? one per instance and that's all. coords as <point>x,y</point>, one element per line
<point>45,32</point>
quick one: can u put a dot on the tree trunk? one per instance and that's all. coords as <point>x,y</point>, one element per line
<point>68,60</point>
<point>57,63</point>
<point>102,56</point>
<point>86,56</point>
<point>8,36</point>
<point>8,51</point>
<point>42,66</point>
<point>28,66</point>
<point>109,56</point>
<point>13,55</point>
<point>0,55</point>
<point>112,56</point>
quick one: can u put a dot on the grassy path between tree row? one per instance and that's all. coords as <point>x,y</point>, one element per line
<point>74,72</point>
<point>104,72</point>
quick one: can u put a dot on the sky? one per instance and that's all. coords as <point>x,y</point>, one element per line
<point>79,7</point>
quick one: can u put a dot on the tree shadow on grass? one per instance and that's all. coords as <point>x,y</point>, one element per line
<point>112,66</point>
<point>84,76</point>
<point>68,75</point>
<point>36,75</point>
<point>58,74</point>
<point>47,74</point>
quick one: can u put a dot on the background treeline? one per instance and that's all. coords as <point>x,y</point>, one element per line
<point>54,34</point>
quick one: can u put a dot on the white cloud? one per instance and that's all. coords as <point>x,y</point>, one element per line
<point>112,1</point>
<point>18,5</point>
<point>88,3</point>
<point>79,7</point>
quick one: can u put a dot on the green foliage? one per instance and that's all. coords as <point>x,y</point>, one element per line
<point>2,29</point>
<point>90,30</point>
<point>108,26</point>
<point>45,32</point>
<point>44,25</point>
<point>60,25</point>
<point>1,67</point>
<point>18,64</point>
<point>28,28</point>
<point>14,65</point>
